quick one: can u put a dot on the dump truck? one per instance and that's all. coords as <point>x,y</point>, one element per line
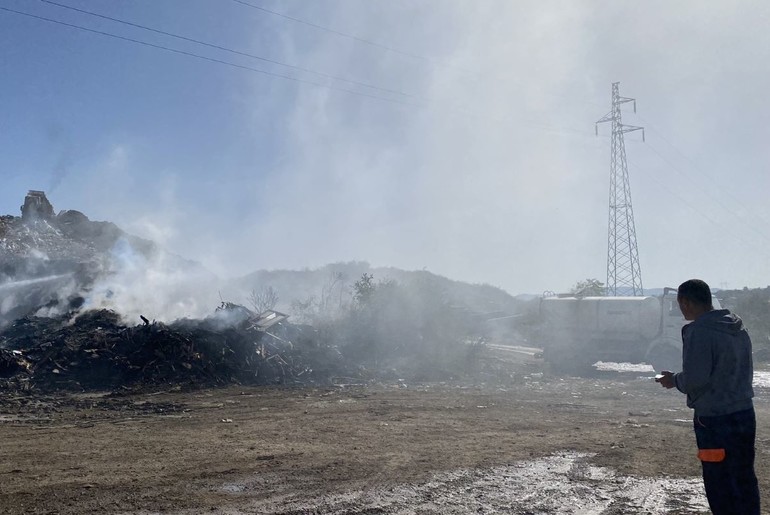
<point>576,332</point>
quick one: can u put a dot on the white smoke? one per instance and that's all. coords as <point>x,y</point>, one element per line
<point>7,303</point>
<point>159,286</point>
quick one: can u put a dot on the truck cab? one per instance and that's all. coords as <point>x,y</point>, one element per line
<point>665,352</point>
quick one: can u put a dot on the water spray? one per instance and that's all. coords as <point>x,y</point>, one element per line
<point>28,282</point>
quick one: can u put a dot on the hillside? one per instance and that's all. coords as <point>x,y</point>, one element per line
<point>332,284</point>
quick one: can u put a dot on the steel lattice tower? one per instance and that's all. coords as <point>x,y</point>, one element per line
<point>624,276</point>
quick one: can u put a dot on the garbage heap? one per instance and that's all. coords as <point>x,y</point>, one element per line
<point>96,351</point>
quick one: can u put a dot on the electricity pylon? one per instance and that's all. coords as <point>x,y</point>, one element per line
<point>624,276</point>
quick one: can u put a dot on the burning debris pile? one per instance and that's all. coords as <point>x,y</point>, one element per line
<point>97,351</point>
<point>68,284</point>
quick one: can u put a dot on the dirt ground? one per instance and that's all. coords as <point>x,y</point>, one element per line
<point>525,443</point>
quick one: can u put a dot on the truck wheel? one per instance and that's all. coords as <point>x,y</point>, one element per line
<point>665,357</point>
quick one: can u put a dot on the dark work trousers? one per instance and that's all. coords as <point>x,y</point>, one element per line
<point>731,485</point>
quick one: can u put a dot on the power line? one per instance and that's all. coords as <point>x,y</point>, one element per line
<point>212,59</point>
<point>381,46</point>
<point>384,47</point>
<point>420,103</point>
<point>694,164</point>
<point>699,184</point>
<point>340,33</point>
<point>254,56</point>
<point>728,230</point>
<point>230,50</point>
<point>715,199</point>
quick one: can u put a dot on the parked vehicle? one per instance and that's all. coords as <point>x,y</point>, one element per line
<point>576,332</point>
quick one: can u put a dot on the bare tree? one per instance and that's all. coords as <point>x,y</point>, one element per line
<point>264,299</point>
<point>335,280</point>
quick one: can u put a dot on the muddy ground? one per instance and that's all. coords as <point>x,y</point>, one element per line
<point>523,442</point>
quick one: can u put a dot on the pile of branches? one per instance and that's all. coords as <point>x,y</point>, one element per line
<point>95,350</point>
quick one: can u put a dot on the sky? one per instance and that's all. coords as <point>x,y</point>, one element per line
<point>455,136</point>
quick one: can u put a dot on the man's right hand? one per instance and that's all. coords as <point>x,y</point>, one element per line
<point>666,379</point>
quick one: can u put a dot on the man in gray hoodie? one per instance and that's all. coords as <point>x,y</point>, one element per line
<point>717,373</point>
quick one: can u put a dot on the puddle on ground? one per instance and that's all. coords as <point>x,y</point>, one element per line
<point>762,379</point>
<point>609,366</point>
<point>558,484</point>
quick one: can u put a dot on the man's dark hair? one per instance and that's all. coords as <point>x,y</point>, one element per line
<point>696,291</point>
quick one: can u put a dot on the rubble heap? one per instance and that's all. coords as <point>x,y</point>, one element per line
<point>36,205</point>
<point>63,238</point>
<point>48,259</point>
<point>97,351</point>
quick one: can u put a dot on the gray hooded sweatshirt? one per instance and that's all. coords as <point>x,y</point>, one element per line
<point>717,368</point>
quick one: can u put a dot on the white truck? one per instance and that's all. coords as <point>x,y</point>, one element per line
<point>576,332</point>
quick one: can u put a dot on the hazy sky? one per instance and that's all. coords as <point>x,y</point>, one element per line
<point>479,163</point>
